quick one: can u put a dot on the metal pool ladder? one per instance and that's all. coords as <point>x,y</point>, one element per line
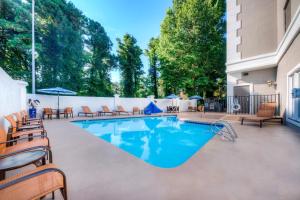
<point>224,129</point>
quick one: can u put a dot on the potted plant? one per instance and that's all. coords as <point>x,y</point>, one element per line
<point>33,103</point>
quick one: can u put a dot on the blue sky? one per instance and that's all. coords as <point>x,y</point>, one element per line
<point>140,18</point>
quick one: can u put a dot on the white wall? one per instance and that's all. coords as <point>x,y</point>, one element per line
<point>12,96</point>
<point>95,103</point>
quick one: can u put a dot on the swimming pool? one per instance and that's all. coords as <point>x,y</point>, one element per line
<point>164,142</point>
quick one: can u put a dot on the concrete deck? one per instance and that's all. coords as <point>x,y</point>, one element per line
<point>264,163</point>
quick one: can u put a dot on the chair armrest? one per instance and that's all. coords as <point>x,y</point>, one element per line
<point>45,148</point>
<point>32,175</point>
<point>25,138</point>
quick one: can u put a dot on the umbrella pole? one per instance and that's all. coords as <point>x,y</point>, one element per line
<point>58,106</point>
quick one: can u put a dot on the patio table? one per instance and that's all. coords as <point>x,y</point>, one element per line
<point>19,160</point>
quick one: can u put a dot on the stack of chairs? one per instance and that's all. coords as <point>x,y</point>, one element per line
<point>29,135</point>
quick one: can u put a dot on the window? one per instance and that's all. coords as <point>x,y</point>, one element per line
<point>287,14</point>
<point>294,99</point>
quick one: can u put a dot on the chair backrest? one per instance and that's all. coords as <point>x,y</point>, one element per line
<point>266,110</point>
<point>105,109</point>
<point>120,108</point>
<point>19,118</point>
<point>136,109</point>
<point>12,121</point>
<point>200,108</point>
<point>86,109</point>
<point>3,138</point>
<point>48,111</point>
<point>24,115</point>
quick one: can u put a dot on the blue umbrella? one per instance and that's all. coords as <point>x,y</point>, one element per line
<point>196,97</point>
<point>172,96</point>
<point>58,91</point>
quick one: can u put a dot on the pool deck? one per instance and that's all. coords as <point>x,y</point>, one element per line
<point>264,163</point>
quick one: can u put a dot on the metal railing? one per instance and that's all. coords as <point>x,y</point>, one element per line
<point>250,104</point>
<point>246,104</point>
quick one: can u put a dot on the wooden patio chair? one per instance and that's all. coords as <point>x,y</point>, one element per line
<point>16,132</point>
<point>49,113</point>
<point>68,111</point>
<point>34,184</point>
<point>136,110</point>
<point>120,110</point>
<point>192,109</point>
<point>86,111</point>
<point>265,112</point>
<point>201,109</point>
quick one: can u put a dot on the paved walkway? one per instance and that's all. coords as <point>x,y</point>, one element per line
<point>264,163</point>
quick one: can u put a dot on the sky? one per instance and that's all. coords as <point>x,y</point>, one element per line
<point>140,18</point>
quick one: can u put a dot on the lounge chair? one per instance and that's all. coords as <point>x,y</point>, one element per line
<point>21,122</point>
<point>26,118</point>
<point>120,110</point>
<point>17,126</point>
<point>34,184</point>
<point>106,110</point>
<point>16,132</point>
<point>265,112</point>
<point>20,144</point>
<point>86,111</point>
<point>136,110</point>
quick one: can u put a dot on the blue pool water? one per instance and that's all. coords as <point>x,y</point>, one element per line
<point>160,141</point>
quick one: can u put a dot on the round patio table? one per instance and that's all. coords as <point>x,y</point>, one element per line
<point>20,160</point>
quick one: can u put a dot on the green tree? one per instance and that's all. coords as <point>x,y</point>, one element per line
<point>101,61</point>
<point>192,46</point>
<point>152,53</point>
<point>61,56</point>
<point>15,39</point>
<point>73,51</point>
<point>130,65</point>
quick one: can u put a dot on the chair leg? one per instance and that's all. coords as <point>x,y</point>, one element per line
<point>260,123</point>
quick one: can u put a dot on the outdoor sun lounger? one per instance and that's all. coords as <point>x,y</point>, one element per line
<point>26,118</point>
<point>15,132</point>
<point>34,184</point>
<point>16,124</point>
<point>120,110</point>
<point>106,110</point>
<point>265,112</point>
<point>86,111</point>
<point>19,145</point>
<point>21,122</point>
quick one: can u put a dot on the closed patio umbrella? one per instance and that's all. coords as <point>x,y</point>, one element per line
<point>172,96</point>
<point>58,91</point>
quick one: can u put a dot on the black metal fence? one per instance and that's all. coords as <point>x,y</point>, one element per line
<point>241,104</point>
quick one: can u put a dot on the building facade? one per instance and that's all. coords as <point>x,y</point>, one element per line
<point>263,51</point>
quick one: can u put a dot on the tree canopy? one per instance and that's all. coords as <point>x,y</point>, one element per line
<point>130,64</point>
<point>75,52</point>
<point>192,47</point>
